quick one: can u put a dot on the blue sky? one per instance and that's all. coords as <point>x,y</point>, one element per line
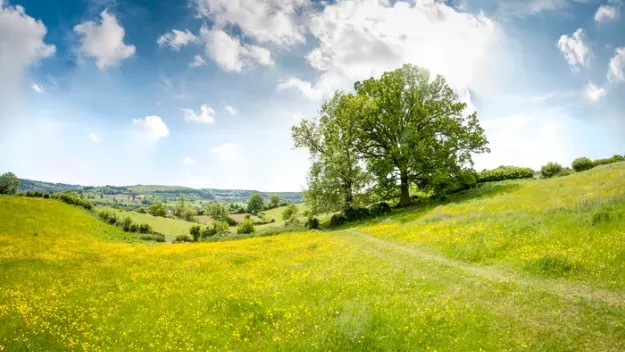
<point>106,92</point>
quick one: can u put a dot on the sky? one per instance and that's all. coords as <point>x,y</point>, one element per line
<point>203,93</point>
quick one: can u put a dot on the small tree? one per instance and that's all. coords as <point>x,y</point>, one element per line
<point>289,213</point>
<point>194,231</point>
<point>158,209</point>
<point>216,211</point>
<point>255,204</point>
<point>245,227</point>
<point>550,170</point>
<point>582,164</point>
<point>9,183</point>
<point>274,201</point>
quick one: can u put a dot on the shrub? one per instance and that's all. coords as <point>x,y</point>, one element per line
<point>355,214</point>
<point>602,215</point>
<point>46,195</point>
<point>215,228</point>
<point>9,183</point>
<point>183,238</point>
<point>194,231</point>
<point>158,209</point>
<point>289,212</point>
<point>555,265</point>
<point>126,224</point>
<point>312,223</point>
<point>230,221</point>
<point>550,170</point>
<point>582,164</point>
<point>245,227</point>
<point>157,237</point>
<point>38,194</point>
<point>73,199</point>
<point>379,209</point>
<point>505,173</point>
<point>617,158</point>
<point>145,228</point>
<point>604,161</point>
<point>142,210</point>
<point>337,220</point>
<point>133,227</point>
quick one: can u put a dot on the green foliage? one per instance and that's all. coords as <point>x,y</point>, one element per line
<point>582,164</point>
<point>35,194</point>
<point>245,227</point>
<point>9,183</point>
<point>158,209</point>
<point>255,204</point>
<point>312,223</point>
<point>194,231</point>
<point>108,216</point>
<point>379,209</point>
<point>126,224</point>
<point>550,170</point>
<point>604,161</point>
<point>290,212</point>
<point>156,237</point>
<point>183,238</point>
<point>215,228</point>
<point>337,220</point>
<point>188,213</point>
<point>565,171</point>
<point>216,211</point>
<point>554,265</point>
<point>73,199</point>
<point>505,173</point>
<point>274,201</point>
<point>230,221</point>
<point>145,228</point>
<point>356,214</point>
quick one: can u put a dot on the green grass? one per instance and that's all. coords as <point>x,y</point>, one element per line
<point>512,266</point>
<point>169,227</point>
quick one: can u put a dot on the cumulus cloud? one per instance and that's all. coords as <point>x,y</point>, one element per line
<point>104,41</point>
<point>230,54</point>
<point>360,39</point>
<point>94,138</point>
<point>153,126</point>
<point>37,88</point>
<point>575,51</point>
<point>206,115</point>
<point>606,13</point>
<point>593,92</point>
<point>188,160</point>
<point>275,21</point>
<point>23,38</point>
<point>176,39</point>
<point>230,109</point>
<point>616,72</point>
<point>197,61</point>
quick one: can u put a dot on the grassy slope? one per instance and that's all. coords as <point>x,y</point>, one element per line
<point>169,227</point>
<point>403,287</point>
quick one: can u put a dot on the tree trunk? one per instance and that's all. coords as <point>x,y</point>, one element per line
<point>404,199</point>
<point>349,198</point>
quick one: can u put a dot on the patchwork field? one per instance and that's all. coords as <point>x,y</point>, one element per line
<point>169,227</point>
<point>535,265</point>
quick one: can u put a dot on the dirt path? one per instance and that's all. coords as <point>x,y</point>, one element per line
<point>567,290</point>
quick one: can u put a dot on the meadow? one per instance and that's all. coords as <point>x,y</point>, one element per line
<point>167,226</point>
<point>528,265</point>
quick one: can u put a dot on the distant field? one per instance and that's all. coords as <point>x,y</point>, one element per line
<point>532,265</point>
<point>169,227</point>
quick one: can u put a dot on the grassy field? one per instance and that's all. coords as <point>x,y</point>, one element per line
<point>535,265</point>
<point>169,227</point>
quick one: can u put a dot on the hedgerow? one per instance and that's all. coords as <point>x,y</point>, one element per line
<point>505,173</point>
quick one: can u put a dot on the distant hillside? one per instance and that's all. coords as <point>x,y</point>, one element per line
<point>156,192</point>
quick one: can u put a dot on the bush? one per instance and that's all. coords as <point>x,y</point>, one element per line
<point>582,164</point>
<point>183,238</point>
<point>194,231</point>
<point>157,237</point>
<point>9,183</point>
<point>37,194</point>
<point>245,227</point>
<point>355,214</point>
<point>550,170</point>
<point>142,211</point>
<point>565,172</point>
<point>230,221</point>
<point>379,209</point>
<point>312,223</point>
<point>290,212</point>
<point>208,231</point>
<point>337,220</point>
<point>614,159</point>
<point>133,227</point>
<point>215,228</point>
<point>158,209</point>
<point>505,173</point>
<point>73,199</point>
<point>145,228</point>
<point>46,195</point>
<point>126,224</point>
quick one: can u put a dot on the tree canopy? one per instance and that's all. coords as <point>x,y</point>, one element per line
<point>255,204</point>
<point>404,128</point>
<point>9,183</point>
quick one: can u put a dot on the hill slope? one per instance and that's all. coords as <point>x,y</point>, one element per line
<point>460,276</point>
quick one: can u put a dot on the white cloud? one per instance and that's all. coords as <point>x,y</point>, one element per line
<point>276,21</point>
<point>305,87</point>
<point>229,153</point>
<point>197,61</point>
<point>95,138</point>
<point>176,39</point>
<point>230,109</point>
<point>188,160</point>
<point>104,41</point>
<point>37,88</point>
<point>229,53</point>
<point>153,126</point>
<point>617,66</point>
<point>21,47</point>
<point>606,13</point>
<point>593,92</point>
<point>575,51</point>
<point>206,115</point>
<point>360,39</point>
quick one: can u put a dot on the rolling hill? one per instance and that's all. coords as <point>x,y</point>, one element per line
<point>530,265</point>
